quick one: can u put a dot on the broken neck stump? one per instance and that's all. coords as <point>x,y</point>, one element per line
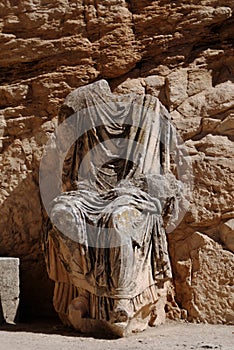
<point>105,244</point>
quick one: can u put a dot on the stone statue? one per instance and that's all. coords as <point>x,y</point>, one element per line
<point>106,246</point>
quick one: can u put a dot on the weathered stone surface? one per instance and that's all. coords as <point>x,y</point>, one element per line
<point>227,234</point>
<point>204,279</point>
<point>50,48</point>
<point>9,289</point>
<point>215,146</point>
<point>154,84</point>
<point>198,80</point>
<point>176,90</point>
<point>210,102</point>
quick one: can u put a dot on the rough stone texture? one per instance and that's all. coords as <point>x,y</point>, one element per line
<point>179,51</point>
<point>204,279</point>
<point>9,289</point>
<point>227,234</point>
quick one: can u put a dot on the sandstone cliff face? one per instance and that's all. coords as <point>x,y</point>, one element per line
<point>180,52</point>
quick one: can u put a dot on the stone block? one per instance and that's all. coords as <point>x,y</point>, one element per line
<point>204,279</point>
<point>9,289</point>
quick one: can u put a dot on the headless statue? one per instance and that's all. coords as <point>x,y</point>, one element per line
<point>106,245</point>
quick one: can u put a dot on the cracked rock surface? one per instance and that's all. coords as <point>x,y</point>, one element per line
<point>180,52</point>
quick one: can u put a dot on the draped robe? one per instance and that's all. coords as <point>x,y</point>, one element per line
<point>107,240</point>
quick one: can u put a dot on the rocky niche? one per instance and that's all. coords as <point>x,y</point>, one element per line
<point>180,52</point>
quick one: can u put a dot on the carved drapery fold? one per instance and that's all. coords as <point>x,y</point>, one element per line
<point>108,250</point>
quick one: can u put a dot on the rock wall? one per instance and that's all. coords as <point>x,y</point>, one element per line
<point>180,52</point>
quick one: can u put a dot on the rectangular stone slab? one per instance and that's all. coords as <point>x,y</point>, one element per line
<point>9,289</point>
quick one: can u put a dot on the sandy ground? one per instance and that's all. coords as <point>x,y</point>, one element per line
<point>172,336</point>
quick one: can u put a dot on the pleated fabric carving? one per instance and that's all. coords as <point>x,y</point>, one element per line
<point>107,252</point>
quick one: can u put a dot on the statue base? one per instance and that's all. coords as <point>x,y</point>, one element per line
<point>151,314</point>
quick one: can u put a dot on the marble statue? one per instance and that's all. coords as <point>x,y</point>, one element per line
<point>106,243</point>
